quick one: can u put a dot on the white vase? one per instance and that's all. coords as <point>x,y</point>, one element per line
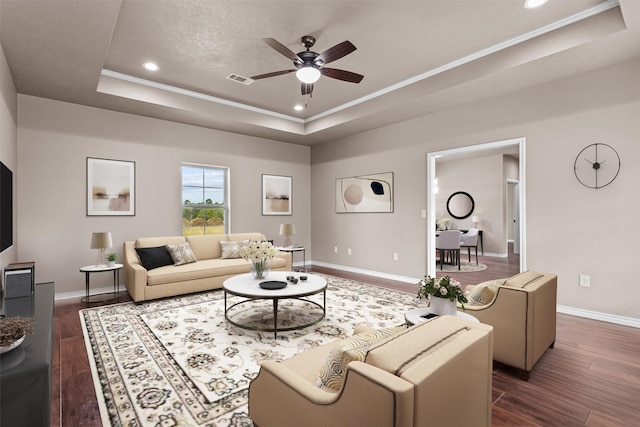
<point>442,306</point>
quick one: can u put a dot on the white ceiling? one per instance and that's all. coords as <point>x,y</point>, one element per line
<point>417,56</point>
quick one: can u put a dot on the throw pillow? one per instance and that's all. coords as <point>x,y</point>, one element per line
<point>482,294</point>
<point>154,257</point>
<point>232,249</point>
<point>331,375</point>
<point>181,254</point>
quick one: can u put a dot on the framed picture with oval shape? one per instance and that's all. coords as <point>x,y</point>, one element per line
<point>365,193</point>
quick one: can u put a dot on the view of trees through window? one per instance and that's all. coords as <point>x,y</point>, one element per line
<point>204,200</point>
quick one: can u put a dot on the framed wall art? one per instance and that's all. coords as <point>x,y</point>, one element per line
<point>277,195</point>
<point>110,187</point>
<point>365,193</point>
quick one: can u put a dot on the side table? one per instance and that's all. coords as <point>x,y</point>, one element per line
<point>414,315</point>
<point>88,269</point>
<point>294,249</point>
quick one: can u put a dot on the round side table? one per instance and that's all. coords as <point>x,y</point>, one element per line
<point>294,249</point>
<point>414,315</point>
<point>88,269</point>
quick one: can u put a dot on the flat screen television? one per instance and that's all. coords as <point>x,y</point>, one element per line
<point>6,207</point>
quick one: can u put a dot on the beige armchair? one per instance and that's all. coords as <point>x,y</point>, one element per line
<point>522,311</point>
<point>432,374</point>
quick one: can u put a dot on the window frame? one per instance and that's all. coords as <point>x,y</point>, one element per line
<point>225,206</point>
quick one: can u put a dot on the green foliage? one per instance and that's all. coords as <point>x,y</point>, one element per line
<point>444,287</point>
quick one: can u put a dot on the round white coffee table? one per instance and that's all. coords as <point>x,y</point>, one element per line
<point>414,315</point>
<point>245,285</point>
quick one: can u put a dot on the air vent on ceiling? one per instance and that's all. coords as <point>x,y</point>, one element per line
<point>240,79</point>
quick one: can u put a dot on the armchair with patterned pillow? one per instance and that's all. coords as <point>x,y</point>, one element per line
<point>522,311</point>
<point>432,374</point>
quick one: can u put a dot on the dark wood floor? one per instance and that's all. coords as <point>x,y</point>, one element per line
<point>590,378</point>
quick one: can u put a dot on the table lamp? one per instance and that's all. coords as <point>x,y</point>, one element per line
<point>475,220</point>
<point>101,240</point>
<point>287,230</point>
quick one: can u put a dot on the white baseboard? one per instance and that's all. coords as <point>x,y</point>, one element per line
<point>81,294</point>
<point>594,315</point>
<point>405,279</point>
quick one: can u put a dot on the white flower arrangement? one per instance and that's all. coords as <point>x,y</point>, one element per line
<point>443,287</point>
<point>259,253</point>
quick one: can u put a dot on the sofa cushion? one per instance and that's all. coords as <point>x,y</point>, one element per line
<point>154,257</point>
<point>481,294</point>
<point>522,279</point>
<point>331,375</point>
<point>206,246</point>
<point>150,242</point>
<point>181,254</point>
<point>232,249</point>
<point>202,269</point>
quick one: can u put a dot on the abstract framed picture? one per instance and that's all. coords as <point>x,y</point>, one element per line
<point>365,193</point>
<point>110,187</point>
<point>277,195</point>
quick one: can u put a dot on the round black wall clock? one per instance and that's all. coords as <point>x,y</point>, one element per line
<point>597,165</point>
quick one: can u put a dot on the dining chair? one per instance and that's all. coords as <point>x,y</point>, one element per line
<point>470,240</point>
<point>448,242</point>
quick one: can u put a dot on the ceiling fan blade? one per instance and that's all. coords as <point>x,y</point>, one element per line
<point>281,48</point>
<point>275,73</point>
<point>336,52</point>
<point>306,88</point>
<point>346,76</point>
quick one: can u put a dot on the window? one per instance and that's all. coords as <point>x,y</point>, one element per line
<point>205,207</point>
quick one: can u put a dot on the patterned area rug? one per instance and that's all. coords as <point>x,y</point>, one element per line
<point>465,267</point>
<point>176,362</point>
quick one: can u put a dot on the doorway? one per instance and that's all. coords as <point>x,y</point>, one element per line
<point>497,147</point>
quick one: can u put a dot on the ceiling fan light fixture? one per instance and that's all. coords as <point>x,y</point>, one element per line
<point>532,4</point>
<point>308,74</point>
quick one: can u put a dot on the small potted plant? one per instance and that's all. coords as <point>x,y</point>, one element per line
<point>442,293</point>
<point>111,259</point>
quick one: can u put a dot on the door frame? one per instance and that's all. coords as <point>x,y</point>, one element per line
<point>431,195</point>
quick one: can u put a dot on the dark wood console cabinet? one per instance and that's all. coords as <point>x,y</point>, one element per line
<point>25,372</point>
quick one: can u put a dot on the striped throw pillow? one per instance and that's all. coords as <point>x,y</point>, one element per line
<point>355,348</point>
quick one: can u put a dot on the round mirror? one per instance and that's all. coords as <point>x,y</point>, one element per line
<point>460,205</point>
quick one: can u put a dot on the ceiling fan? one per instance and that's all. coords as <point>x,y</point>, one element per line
<point>310,65</point>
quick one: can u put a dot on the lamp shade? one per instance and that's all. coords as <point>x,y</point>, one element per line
<point>101,240</point>
<point>287,229</point>
<point>475,219</point>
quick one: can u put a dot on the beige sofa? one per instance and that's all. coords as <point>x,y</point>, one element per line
<point>437,373</point>
<point>207,273</point>
<point>522,311</point>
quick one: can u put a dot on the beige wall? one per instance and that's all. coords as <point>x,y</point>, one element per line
<point>54,140</point>
<point>8,143</point>
<point>483,179</point>
<point>571,229</point>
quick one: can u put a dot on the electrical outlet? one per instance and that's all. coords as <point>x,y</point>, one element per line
<point>423,213</point>
<point>395,256</point>
<point>335,249</point>
<point>585,281</point>
<point>348,251</point>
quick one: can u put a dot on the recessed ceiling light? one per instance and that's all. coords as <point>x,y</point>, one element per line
<point>532,4</point>
<point>151,66</point>
<point>298,107</point>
